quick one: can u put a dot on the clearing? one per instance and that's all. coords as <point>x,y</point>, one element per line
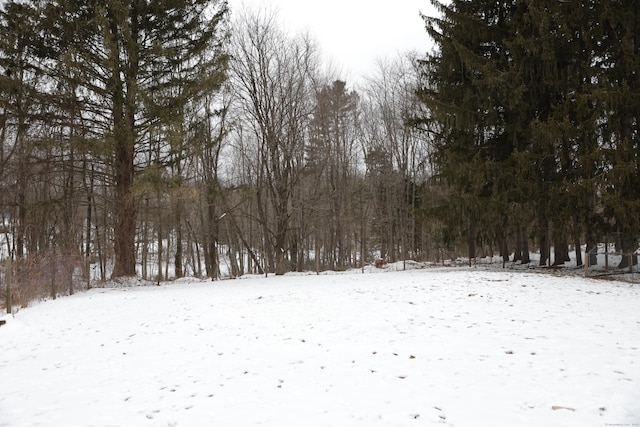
<point>439,346</point>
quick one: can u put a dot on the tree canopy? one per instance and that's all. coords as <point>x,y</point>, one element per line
<point>162,138</point>
<point>536,103</point>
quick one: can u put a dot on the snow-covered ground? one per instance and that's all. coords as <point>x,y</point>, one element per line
<point>457,347</point>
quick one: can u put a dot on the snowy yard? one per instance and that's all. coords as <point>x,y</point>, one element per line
<point>457,347</point>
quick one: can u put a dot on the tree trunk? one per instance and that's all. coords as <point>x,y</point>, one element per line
<point>280,243</point>
<point>543,236</point>
<point>471,240</point>
<point>504,250</point>
<point>561,246</point>
<point>247,246</point>
<point>578,252</point>
<point>525,247</point>
<point>178,256</point>
<point>517,253</point>
<point>560,251</point>
<point>214,268</point>
<point>160,247</point>
<point>145,241</point>
<point>87,250</point>
<point>125,228</point>
<point>124,100</point>
<point>592,244</point>
<point>52,277</point>
<point>212,263</point>
<point>8,279</point>
<point>627,246</point>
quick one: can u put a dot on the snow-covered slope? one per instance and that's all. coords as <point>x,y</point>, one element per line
<point>423,347</point>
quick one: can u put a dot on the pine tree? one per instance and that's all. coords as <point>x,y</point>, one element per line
<point>330,160</point>
<point>618,60</point>
<point>464,93</point>
<point>19,82</point>
<point>522,92</point>
<point>139,63</point>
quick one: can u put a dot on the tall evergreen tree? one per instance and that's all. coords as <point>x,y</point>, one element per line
<point>331,161</point>
<point>138,63</point>
<point>618,60</point>
<point>20,80</point>
<point>464,94</point>
<point>512,88</point>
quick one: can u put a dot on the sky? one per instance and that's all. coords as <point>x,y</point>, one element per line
<point>354,34</point>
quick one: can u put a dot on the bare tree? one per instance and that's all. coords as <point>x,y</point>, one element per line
<point>396,153</point>
<point>274,75</point>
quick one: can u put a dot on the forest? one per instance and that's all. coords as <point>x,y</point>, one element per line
<point>177,137</point>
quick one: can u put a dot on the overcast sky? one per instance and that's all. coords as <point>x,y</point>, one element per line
<point>354,33</point>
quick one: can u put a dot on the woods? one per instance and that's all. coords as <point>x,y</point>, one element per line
<point>537,110</point>
<point>167,140</point>
<point>164,139</point>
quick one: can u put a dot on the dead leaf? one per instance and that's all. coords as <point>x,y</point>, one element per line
<point>555,408</point>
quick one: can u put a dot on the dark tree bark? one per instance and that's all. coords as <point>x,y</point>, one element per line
<point>525,248</point>
<point>543,236</point>
<point>471,239</point>
<point>627,246</point>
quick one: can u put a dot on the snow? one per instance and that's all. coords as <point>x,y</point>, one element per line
<point>437,346</point>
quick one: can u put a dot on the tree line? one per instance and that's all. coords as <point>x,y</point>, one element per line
<point>171,138</point>
<point>165,138</point>
<point>538,110</point>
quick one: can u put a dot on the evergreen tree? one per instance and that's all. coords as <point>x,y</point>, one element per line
<point>18,82</point>
<point>464,93</point>
<point>331,162</point>
<point>138,63</point>
<point>618,61</point>
<point>512,88</point>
